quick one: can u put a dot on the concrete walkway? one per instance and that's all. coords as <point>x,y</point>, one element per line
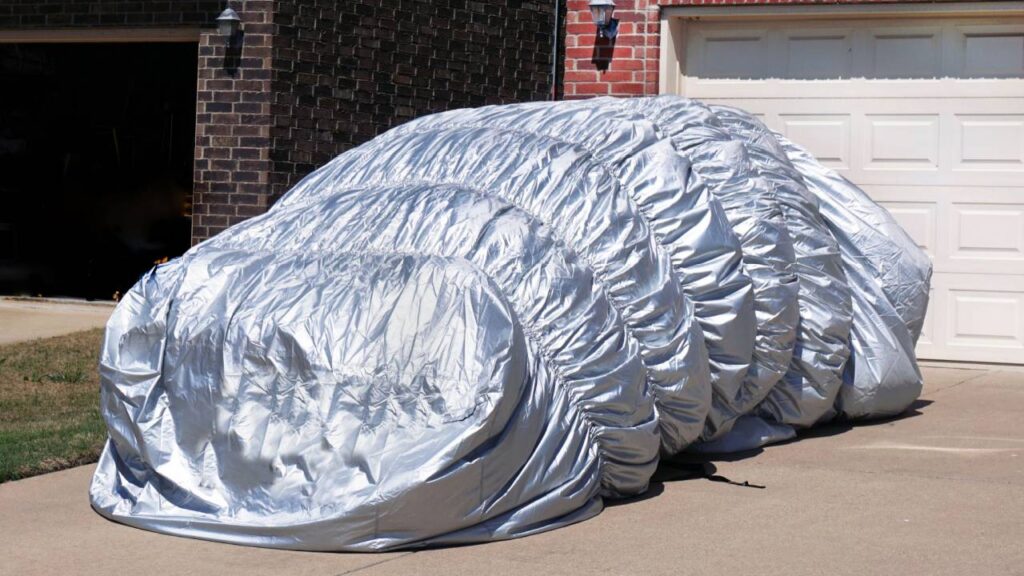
<point>28,319</point>
<point>940,491</point>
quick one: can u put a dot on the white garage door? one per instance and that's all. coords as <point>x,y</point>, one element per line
<point>927,115</point>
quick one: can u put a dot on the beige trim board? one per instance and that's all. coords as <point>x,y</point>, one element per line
<point>980,366</point>
<point>99,35</point>
<point>865,10</point>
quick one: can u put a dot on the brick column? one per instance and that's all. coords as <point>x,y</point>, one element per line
<point>233,120</point>
<point>624,66</point>
<point>315,78</point>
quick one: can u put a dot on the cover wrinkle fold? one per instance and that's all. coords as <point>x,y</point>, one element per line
<point>625,139</point>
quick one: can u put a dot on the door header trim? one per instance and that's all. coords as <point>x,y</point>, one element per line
<point>99,35</point>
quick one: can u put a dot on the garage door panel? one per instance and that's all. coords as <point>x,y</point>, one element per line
<point>901,142</point>
<point>927,115</point>
<point>985,317</point>
<point>989,142</point>
<point>827,136</point>
<point>974,318</point>
<point>987,236</point>
<point>905,52</point>
<point>819,54</point>
<point>990,51</point>
<point>733,54</point>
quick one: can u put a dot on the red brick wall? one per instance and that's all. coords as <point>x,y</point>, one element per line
<point>628,65</point>
<point>233,121</point>
<point>624,66</point>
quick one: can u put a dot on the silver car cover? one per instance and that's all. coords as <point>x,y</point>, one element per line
<point>686,218</point>
<point>823,334</point>
<point>889,278</point>
<point>465,331</point>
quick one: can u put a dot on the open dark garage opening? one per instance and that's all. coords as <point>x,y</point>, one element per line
<point>96,164</point>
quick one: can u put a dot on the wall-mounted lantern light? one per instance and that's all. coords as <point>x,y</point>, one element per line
<point>601,10</point>
<point>229,24</point>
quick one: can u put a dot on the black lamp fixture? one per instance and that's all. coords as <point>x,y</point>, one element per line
<point>601,10</point>
<point>229,24</point>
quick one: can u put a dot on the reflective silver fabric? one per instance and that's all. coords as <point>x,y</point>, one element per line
<point>823,334</point>
<point>687,220</point>
<point>480,325</point>
<point>889,277</point>
<point>723,164</point>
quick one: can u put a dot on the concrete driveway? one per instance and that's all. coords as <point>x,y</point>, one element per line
<point>939,491</point>
<point>28,319</point>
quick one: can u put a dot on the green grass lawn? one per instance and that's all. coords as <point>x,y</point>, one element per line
<point>49,405</point>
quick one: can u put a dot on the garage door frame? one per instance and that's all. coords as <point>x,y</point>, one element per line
<point>679,33</point>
